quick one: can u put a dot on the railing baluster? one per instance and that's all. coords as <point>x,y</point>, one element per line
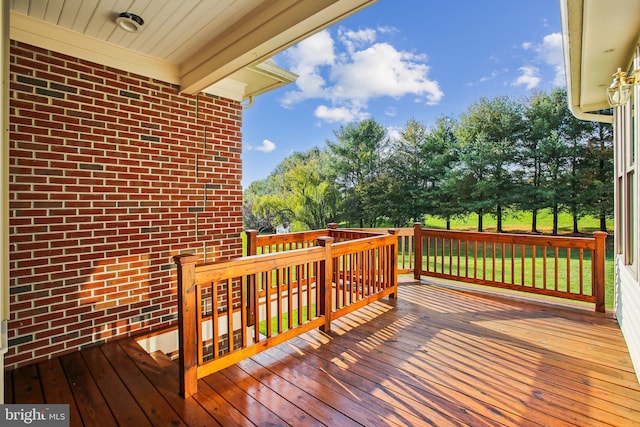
<point>523,251</point>
<point>475,259</point>
<point>215,326</point>
<point>502,267</point>
<point>243,315</point>
<point>556,274</point>
<point>256,305</point>
<point>280,277</point>
<point>493,262</point>
<point>230,340</point>
<point>299,282</point>
<point>544,267</point>
<point>568,269</point>
<point>466,258</point>
<point>534,249</point>
<point>513,263</point>
<point>267,287</point>
<point>458,257</point>
<point>199,318</point>
<point>289,299</point>
<point>484,260</point>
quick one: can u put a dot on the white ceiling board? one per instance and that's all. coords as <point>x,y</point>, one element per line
<point>193,43</point>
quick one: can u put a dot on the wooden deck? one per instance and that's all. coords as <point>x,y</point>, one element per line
<point>435,356</point>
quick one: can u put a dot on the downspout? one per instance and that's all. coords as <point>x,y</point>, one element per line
<point>249,103</point>
<point>4,192</point>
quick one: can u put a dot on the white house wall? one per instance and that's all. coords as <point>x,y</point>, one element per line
<point>627,224</point>
<point>628,310</point>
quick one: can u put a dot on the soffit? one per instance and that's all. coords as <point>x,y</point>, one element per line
<point>599,36</point>
<point>193,43</point>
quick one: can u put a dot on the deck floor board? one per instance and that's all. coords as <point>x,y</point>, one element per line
<point>436,355</point>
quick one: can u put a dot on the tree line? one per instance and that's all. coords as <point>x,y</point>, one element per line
<point>499,156</point>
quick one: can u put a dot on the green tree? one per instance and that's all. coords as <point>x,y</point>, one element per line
<point>489,135</point>
<point>299,192</point>
<point>442,153</point>
<point>263,220</point>
<point>542,121</point>
<point>358,170</point>
<point>597,175</point>
<point>408,186</point>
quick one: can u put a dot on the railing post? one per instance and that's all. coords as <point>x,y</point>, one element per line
<point>393,274</point>
<point>598,269</point>
<point>332,226</point>
<point>252,239</point>
<point>187,324</point>
<point>417,250</point>
<point>325,281</point>
<point>252,249</point>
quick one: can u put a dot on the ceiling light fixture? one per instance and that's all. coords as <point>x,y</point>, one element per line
<point>620,90</point>
<point>129,22</point>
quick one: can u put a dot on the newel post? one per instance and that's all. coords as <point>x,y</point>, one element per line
<point>187,324</point>
<point>252,242</point>
<point>598,269</point>
<point>325,281</point>
<point>393,265</point>
<point>252,249</point>
<point>417,250</point>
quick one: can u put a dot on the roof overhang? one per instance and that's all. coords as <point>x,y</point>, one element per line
<point>231,63</point>
<point>598,37</point>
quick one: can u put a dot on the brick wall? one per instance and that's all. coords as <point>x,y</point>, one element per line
<point>112,174</point>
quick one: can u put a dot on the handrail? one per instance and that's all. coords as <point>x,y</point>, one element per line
<point>534,264</point>
<point>222,307</point>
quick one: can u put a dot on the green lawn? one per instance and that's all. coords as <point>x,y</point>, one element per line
<point>521,222</point>
<point>285,320</point>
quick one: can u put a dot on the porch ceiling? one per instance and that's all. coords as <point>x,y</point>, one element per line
<point>599,36</point>
<point>201,45</point>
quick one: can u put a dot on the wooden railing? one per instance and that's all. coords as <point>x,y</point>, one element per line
<point>565,267</point>
<point>406,256</point>
<point>232,310</point>
<point>291,283</point>
<point>272,243</point>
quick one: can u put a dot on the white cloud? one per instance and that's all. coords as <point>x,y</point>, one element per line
<point>266,147</point>
<point>339,114</point>
<point>529,77</point>
<point>307,59</point>
<point>381,70</point>
<point>353,69</point>
<point>356,39</point>
<point>550,52</point>
<point>527,45</point>
<point>484,79</point>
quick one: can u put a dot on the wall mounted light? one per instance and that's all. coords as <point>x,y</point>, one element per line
<point>129,22</point>
<point>620,90</point>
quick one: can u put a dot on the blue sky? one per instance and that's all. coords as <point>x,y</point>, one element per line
<point>399,59</point>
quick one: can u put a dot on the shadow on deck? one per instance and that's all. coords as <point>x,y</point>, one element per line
<point>436,355</point>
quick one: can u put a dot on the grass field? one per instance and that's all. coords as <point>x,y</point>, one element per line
<point>521,222</point>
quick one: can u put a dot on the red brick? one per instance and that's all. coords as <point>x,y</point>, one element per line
<point>88,174</point>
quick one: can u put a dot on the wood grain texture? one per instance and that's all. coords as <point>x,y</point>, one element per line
<point>435,355</point>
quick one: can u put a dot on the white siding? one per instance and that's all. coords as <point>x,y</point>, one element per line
<point>627,233</point>
<point>628,311</point>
